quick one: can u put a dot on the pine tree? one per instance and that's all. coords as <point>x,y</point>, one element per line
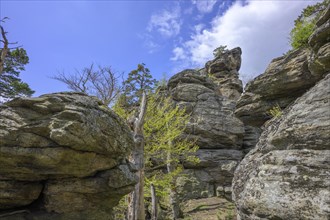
<point>12,62</point>
<point>138,81</point>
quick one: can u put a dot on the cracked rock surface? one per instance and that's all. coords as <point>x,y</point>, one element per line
<point>62,155</point>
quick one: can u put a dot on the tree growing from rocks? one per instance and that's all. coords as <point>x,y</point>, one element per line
<point>166,147</point>
<point>102,82</point>
<point>12,62</point>
<point>164,150</point>
<point>305,24</point>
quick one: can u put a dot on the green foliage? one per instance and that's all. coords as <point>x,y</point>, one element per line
<point>305,24</point>
<point>300,34</point>
<point>120,210</point>
<point>275,111</point>
<point>138,80</point>
<point>11,85</point>
<point>164,127</point>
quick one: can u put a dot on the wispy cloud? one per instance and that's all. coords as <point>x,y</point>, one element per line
<point>166,22</point>
<point>260,28</point>
<point>204,6</point>
<point>179,54</point>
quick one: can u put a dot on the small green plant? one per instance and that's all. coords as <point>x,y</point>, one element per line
<point>220,50</point>
<point>275,111</point>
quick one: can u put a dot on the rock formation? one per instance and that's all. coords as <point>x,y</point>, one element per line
<point>210,97</point>
<point>285,79</point>
<point>286,176</point>
<point>62,156</point>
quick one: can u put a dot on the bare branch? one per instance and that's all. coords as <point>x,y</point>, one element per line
<point>101,82</point>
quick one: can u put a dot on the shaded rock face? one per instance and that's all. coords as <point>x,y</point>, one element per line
<point>286,176</point>
<point>218,133</point>
<point>285,79</point>
<point>62,155</point>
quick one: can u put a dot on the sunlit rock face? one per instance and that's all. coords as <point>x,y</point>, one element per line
<point>209,96</point>
<point>62,156</point>
<point>286,176</point>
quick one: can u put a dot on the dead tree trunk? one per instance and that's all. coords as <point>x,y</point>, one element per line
<point>136,199</point>
<point>154,211</point>
<point>4,50</point>
<point>174,198</point>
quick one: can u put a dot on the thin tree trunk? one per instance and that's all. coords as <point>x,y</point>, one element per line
<point>136,201</point>
<point>154,211</point>
<point>174,198</point>
<point>4,50</point>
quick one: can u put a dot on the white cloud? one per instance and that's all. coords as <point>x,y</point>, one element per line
<point>260,28</point>
<point>179,54</point>
<point>204,6</point>
<point>166,22</point>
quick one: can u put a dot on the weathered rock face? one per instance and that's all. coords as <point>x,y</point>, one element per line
<point>285,79</point>
<point>218,132</point>
<point>320,44</point>
<point>62,156</point>
<point>286,176</point>
<point>223,71</point>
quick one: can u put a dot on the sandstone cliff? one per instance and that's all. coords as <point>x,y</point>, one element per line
<point>62,156</point>
<point>285,79</point>
<point>210,95</point>
<point>286,175</point>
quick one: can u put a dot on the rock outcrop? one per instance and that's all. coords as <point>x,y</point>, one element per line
<point>285,79</point>
<point>62,156</point>
<point>223,70</point>
<point>319,41</point>
<point>286,176</point>
<point>210,97</point>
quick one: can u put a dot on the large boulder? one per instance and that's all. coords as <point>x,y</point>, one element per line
<point>286,176</point>
<point>63,155</point>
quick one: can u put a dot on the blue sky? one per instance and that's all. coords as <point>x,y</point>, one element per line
<point>168,36</point>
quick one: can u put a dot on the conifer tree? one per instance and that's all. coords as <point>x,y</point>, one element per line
<point>12,62</point>
<point>138,80</point>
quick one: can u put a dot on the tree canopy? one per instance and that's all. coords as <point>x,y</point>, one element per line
<point>138,81</point>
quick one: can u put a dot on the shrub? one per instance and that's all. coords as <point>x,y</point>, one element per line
<point>275,111</point>
<point>305,24</point>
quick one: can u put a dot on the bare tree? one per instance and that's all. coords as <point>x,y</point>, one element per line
<point>154,211</point>
<point>101,82</point>
<point>136,198</point>
<point>4,50</point>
